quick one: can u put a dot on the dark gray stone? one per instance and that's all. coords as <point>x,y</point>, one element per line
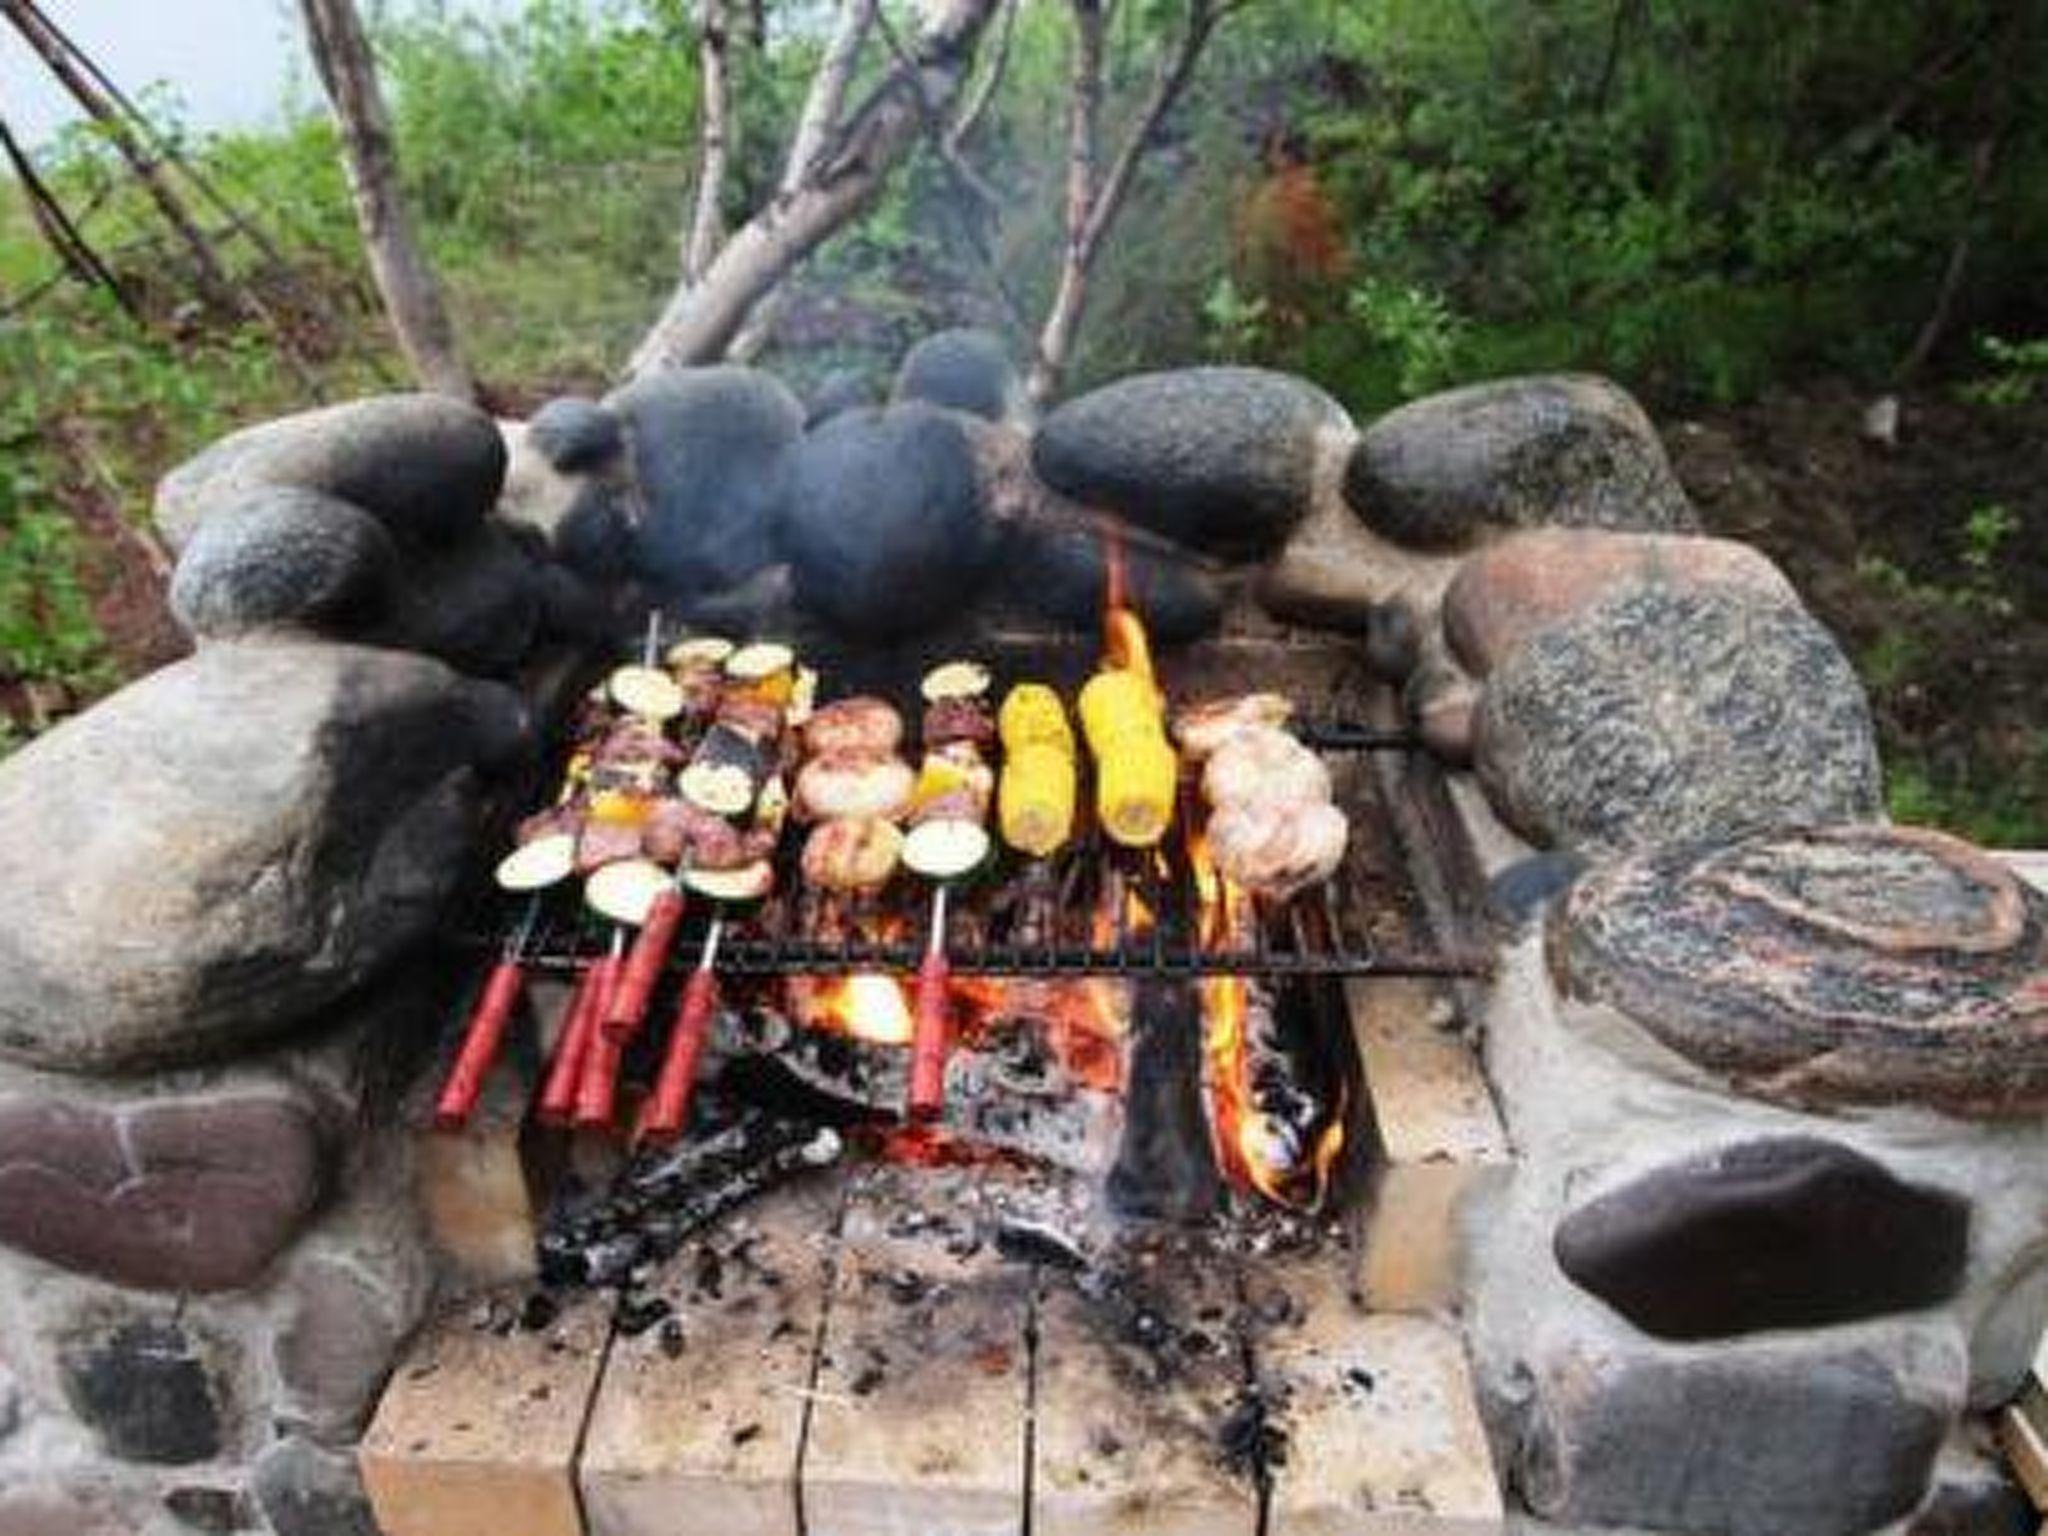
<point>336,1346</point>
<point>885,525</point>
<point>708,448</point>
<point>1974,1495</point>
<point>1670,714</point>
<point>1786,1232</point>
<point>1553,448</point>
<point>1817,1440</point>
<point>475,602</point>
<point>963,370</point>
<point>595,537</point>
<point>1442,704</point>
<point>425,466</point>
<point>145,1389</point>
<point>215,1510</point>
<point>305,1491</point>
<point>264,826</point>
<point>190,1193</point>
<point>1868,965</point>
<point>570,607</point>
<point>1063,575</point>
<point>576,435</point>
<point>1393,641</point>
<point>276,555</point>
<point>1221,460</point>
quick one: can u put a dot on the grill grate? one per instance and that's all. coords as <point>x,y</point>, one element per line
<point>1095,910</point>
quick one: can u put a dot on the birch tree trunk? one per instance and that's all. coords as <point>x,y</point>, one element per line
<point>405,281</point>
<point>714,138</point>
<point>702,319</point>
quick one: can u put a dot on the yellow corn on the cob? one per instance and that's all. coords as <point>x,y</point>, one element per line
<point>1036,799</point>
<point>1134,790</point>
<point>1032,714</point>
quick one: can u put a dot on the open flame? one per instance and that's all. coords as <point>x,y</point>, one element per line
<point>867,1005</point>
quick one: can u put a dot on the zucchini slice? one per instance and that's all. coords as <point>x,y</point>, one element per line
<point>750,882</point>
<point>539,864</point>
<point>624,891</point>
<point>955,680</point>
<point>699,651</point>
<point>946,850</point>
<point>646,691</point>
<point>762,659</point>
<point>726,772</point>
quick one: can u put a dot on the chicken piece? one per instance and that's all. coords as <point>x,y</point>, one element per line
<point>852,854</point>
<point>957,720</point>
<point>859,724</point>
<point>556,818</point>
<point>840,784</point>
<point>1260,764</point>
<point>751,717</point>
<point>606,842</point>
<point>677,833</point>
<point>1278,849</point>
<point>635,742</point>
<point>1202,728</point>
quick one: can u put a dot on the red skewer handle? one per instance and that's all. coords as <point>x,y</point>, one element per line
<point>657,936</point>
<point>482,1038</point>
<point>668,1111</point>
<point>932,1042</point>
<point>565,1072</point>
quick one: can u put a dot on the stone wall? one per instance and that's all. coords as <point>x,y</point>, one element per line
<point>1774,1224</point>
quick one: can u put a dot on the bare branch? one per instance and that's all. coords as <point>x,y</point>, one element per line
<point>985,89</point>
<point>932,121</point>
<point>706,227</point>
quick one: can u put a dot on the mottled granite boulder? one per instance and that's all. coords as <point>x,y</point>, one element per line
<point>150,1389</point>
<point>1671,714</point>
<point>1863,965</point>
<point>271,555</point>
<point>306,1491</point>
<point>1221,460</point>
<point>1827,1436</point>
<point>886,525</point>
<point>191,1192</point>
<point>962,370</point>
<point>1547,449</point>
<point>211,856</point>
<point>425,466</point>
<point>1509,592</point>
<point>1779,1232</point>
<point>708,449</point>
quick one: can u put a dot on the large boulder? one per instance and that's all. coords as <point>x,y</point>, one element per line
<point>476,602</point>
<point>1513,590</point>
<point>1669,714</point>
<point>268,556</point>
<point>1553,448</point>
<point>1221,460</point>
<point>575,435</point>
<point>1820,1435</point>
<point>580,513</point>
<point>1867,965</point>
<point>708,450</point>
<point>1777,1232</point>
<point>190,1192</point>
<point>215,853</point>
<point>425,466</point>
<point>886,525</point>
<point>962,370</point>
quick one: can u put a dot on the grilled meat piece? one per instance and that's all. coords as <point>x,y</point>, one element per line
<point>1202,728</point>
<point>951,720</point>
<point>1262,763</point>
<point>678,833</point>
<point>852,854</point>
<point>556,818</point>
<point>605,842</point>
<point>840,784</point>
<point>859,724</point>
<point>1278,848</point>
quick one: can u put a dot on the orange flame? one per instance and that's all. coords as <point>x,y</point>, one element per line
<point>867,1005</point>
<point>1125,644</point>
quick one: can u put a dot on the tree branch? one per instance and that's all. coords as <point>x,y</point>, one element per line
<point>977,105</point>
<point>713,47</point>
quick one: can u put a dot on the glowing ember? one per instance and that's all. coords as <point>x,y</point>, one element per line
<point>1125,643</point>
<point>868,1005</point>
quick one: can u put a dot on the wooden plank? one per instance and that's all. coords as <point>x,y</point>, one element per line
<point>917,1421</point>
<point>1127,1431</point>
<point>704,1441</point>
<point>477,1432</point>
<point>1440,1135</point>
<point>2027,1452</point>
<point>1383,1431</point>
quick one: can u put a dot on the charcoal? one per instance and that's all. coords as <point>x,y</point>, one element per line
<point>637,1314</point>
<point>1032,1242</point>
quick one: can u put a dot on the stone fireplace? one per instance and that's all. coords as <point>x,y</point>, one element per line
<point>1691,1113</point>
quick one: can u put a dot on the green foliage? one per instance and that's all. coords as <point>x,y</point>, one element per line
<point>1997,806</point>
<point>2018,369</point>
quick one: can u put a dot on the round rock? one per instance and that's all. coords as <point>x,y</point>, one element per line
<point>187,1193</point>
<point>1667,714</point>
<point>962,370</point>
<point>275,555</point>
<point>1865,965</point>
<point>575,435</point>
<point>1552,448</point>
<point>1784,1232</point>
<point>476,602</point>
<point>708,450</point>
<point>425,466</point>
<point>885,526</point>
<point>1221,460</point>
<point>1513,590</point>
<point>210,856</point>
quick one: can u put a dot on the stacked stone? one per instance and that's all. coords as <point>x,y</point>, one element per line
<point>212,972</point>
